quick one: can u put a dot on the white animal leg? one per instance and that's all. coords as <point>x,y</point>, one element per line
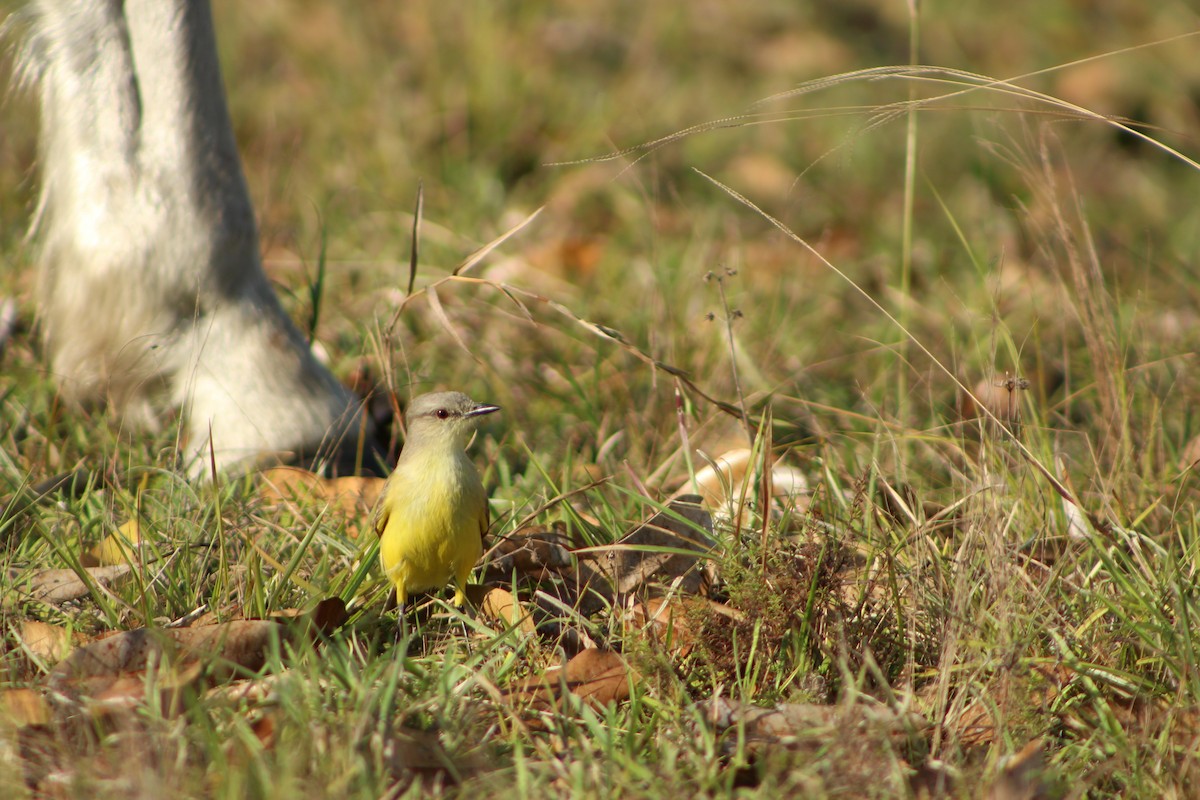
<point>152,291</point>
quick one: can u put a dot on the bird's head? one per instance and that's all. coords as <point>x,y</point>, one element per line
<point>444,417</point>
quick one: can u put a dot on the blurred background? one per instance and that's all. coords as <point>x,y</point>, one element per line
<point>341,108</point>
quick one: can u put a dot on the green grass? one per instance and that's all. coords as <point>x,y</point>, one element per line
<point>932,567</point>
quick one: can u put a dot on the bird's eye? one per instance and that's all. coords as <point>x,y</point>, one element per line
<point>441,413</point>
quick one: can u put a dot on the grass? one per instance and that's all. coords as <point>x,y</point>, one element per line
<point>1034,584</point>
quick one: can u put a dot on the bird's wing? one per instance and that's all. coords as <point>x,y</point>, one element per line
<point>383,511</point>
<point>485,522</point>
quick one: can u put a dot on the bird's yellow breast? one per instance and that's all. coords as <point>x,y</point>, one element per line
<point>434,513</point>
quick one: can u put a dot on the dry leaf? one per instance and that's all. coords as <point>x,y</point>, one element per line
<point>110,698</point>
<point>630,565</point>
<point>665,622</point>
<point>534,551</point>
<point>670,549</point>
<point>500,605</point>
<point>109,679</point>
<point>328,615</point>
<point>669,622</point>
<point>243,643</point>
<point>264,728</point>
<point>324,618</point>
<point>119,547</point>
<point>24,707</point>
<point>257,691</point>
<point>222,649</point>
<point>597,676</point>
<point>353,498</point>
<point>40,640</point>
<point>61,585</point>
<point>546,613</point>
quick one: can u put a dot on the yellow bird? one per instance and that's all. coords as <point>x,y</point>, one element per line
<point>433,511</point>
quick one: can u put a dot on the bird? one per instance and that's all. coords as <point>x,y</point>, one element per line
<point>433,511</point>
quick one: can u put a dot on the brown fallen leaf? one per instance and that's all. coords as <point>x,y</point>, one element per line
<point>546,613</point>
<point>500,605</point>
<point>109,680</point>
<point>322,619</point>
<point>328,615</point>
<point>227,646</point>
<point>670,622</point>
<point>353,498</point>
<point>599,677</point>
<point>670,549</point>
<point>534,551</point>
<point>110,699</point>
<point>264,727</point>
<point>245,643</point>
<point>24,707</point>
<point>38,640</point>
<point>221,650</point>
<point>61,585</point>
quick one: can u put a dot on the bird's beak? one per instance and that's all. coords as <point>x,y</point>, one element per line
<point>481,409</point>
